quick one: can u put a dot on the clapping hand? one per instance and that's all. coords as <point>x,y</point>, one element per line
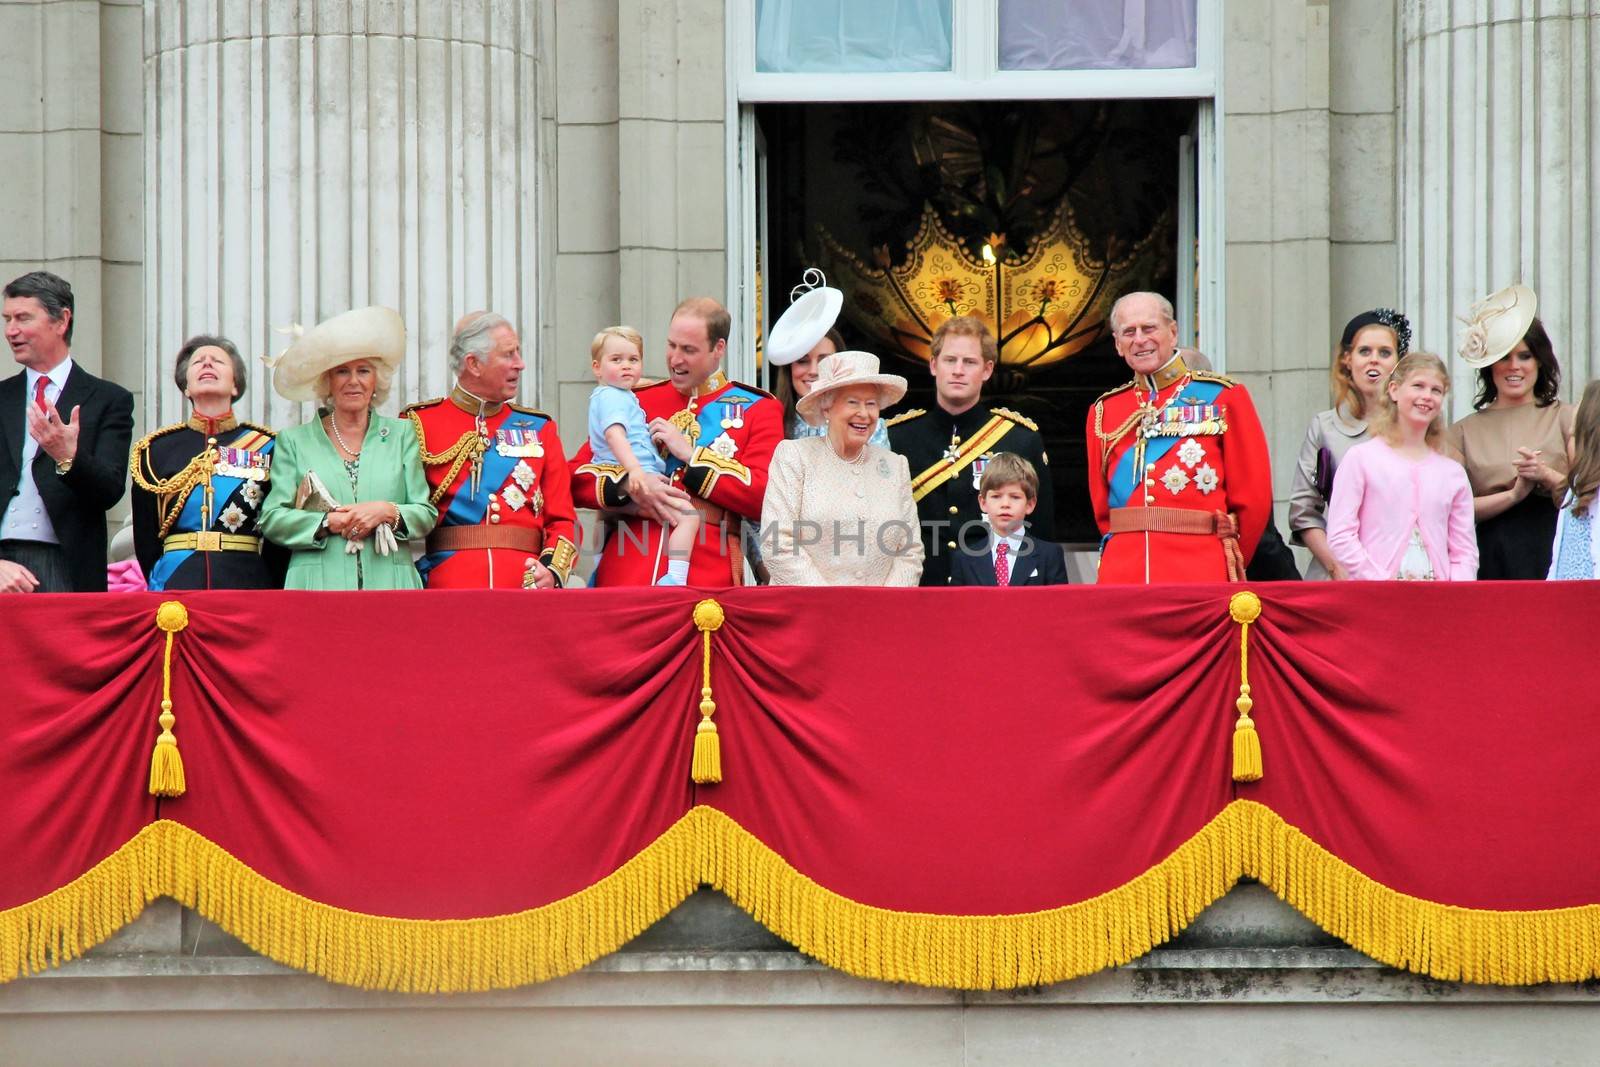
<point>58,439</point>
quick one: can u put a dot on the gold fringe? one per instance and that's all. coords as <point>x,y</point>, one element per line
<point>708,847</point>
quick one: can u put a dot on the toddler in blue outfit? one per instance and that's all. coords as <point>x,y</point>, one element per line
<point>618,434</point>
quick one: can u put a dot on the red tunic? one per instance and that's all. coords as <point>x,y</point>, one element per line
<point>1203,451</point>
<point>736,428</point>
<point>524,485</point>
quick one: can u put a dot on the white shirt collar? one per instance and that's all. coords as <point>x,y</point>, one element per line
<point>1013,541</point>
<point>57,375</point>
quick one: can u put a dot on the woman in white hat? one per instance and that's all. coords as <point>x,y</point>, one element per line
<point>348,488</point>
<point>1514,446</point>
<point>801,338</point>
<point>838,509</point>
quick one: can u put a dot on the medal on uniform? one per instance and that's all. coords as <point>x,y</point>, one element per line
<point>518,442</point>
<point>733,414</point>
<point>977,468</point>
<point>953,453</point>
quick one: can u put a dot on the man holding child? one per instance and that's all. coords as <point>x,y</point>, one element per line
<point>717,437</point>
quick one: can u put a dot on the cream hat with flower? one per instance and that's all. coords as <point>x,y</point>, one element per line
<point>377,334</point>
<point>1496,323</point>
<point>845,369</point>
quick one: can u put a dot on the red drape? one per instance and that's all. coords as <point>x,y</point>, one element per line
<point>457,755</point>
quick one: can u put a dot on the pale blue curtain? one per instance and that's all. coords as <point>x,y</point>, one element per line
<point>1096,34</point>
<point>852,36</point>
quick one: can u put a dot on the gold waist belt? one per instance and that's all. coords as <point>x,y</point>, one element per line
<point>212,541</point>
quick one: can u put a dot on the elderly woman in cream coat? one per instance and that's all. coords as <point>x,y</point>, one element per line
<point>348,492</point>
<point>838,509</point>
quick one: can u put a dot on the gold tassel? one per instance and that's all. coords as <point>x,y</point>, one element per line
<point>707,766</point>
<point>166,764</point>
<point>1245,608</point>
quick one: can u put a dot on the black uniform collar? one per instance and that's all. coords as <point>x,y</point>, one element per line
<point>966,422</point>
<point>211,427</point>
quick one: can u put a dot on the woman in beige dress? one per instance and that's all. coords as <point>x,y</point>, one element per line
<point>1514,446</point>
<point>838,509</point>
<point>1370,346</point>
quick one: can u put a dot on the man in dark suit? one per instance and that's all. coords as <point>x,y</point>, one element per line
<point>59,474</point>
<point>1007,494</point>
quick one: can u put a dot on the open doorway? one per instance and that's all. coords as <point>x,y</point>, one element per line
<point>1034,215</point>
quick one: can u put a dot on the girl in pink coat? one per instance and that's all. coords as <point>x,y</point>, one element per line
<point>1400,509</point>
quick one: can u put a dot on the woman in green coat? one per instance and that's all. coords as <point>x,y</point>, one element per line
<point>348,491</point>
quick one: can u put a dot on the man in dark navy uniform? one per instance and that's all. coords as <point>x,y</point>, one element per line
<point>949,447</point>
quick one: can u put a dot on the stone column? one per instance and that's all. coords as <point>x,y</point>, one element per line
<point>1498,131</point>
<point>303,159</point>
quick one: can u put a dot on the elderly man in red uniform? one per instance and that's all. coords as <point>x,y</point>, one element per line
<point>498,473</point>
<point>1178,465</point>
<point>718,437</point>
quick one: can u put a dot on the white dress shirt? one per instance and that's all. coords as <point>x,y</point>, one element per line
<point>26,518</point>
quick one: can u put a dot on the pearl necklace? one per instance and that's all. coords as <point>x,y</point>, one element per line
<point>333,424</point>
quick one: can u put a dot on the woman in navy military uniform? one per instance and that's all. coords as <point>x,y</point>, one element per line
<point>198,485</point>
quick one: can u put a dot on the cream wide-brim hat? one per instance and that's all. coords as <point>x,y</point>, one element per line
<point>1496,323</point>
<point>372,333</point>
<point>845,369</point>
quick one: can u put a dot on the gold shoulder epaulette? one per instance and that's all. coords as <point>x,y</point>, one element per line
<point>528,411</point>
<point>258,428</point>
<point>905,416</point>
<point>419,405</point>
<point>1112,392</point>
<point>1211,376</point>
<point>1016,417</point>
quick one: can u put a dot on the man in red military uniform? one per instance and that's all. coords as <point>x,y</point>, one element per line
<point>718,437</point>
<point>498,473</point>
<point>1178,465</point>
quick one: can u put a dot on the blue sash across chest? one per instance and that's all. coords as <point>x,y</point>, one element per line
<point>1125,480</point>
<point>468,510</point>
<point>223,487</point>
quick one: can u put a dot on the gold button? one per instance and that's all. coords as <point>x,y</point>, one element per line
<point>950,544</point>
<point>1148,499</point>
<point>954,510</point>
<point>495,517</point>
<point>1150,467</point>
<point>1149,481</point>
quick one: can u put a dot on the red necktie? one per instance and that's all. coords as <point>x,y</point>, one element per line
<point>38,392</point>
<point>1002,573</point>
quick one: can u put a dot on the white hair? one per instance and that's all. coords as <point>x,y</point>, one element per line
<point>474,339</point>
<point>1162,302</point>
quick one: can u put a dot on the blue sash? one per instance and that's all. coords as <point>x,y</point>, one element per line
<point>223,487</point>
<point>1125,481</point>
<point>468,510</point>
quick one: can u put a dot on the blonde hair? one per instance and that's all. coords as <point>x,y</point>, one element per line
<point>965,326</point>
<point>1341,385</point>
<point>1584,478</point>
<point>627,333</point>
<point>1008,468</point>
<point>1386,424</point>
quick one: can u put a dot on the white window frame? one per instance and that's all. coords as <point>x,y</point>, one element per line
<point>974,75</point>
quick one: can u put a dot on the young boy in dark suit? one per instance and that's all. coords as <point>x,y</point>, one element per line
<point>1007,494</point>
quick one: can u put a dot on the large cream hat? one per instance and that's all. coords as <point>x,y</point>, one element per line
<point>1496,323</point>
<point>374,333</point>
<point>849,368</point>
